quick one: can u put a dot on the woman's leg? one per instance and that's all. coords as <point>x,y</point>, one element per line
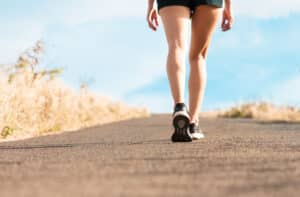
<point>176,21</point>
<point>204,22</point>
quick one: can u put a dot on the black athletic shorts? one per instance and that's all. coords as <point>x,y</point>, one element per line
<point>189,3</point>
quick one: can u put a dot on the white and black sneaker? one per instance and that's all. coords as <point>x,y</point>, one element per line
<point>181,121</point>
<point>195,131</point>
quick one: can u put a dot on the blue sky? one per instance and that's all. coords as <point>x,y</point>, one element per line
<point>110,47</point>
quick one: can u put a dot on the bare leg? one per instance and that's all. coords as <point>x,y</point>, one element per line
<point>176,21</point>
<point>204,22</point>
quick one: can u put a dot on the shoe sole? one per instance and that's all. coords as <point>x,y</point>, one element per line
<point>194,137</point>
<point>181,124</point>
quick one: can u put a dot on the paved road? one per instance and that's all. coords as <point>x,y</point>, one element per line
<point>136,158</point>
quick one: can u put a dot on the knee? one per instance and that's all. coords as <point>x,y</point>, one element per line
<point>177,52</point>
<point>197,56</point>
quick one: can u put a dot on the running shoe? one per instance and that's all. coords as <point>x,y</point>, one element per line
<point>195,131</point>
<point>181,122</point>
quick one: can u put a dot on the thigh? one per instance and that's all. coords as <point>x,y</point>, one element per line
<point>204,21</point>
<point>176,21</point>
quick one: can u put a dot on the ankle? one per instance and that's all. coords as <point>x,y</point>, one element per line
<point>195,121</point>
<point>179,103</point>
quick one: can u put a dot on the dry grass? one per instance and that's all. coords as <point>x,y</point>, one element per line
<point>35,103</point>
<point>264,111</point>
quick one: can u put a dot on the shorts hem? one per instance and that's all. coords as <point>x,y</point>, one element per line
<point>173,4</point>
<point>165,3</point>
<point>163,6</point>
<point>209,4</point>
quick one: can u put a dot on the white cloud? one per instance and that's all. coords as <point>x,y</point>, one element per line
<point>266,8</point>
<point>16,36</point>
<point>131,77</point>
<point>157,103</point>
<point>19,33</point>
<point>286,92</point>
<point>77,11</point>
<point>239,38</point>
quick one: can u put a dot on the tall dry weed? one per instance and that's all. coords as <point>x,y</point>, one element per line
<point>36,102</point>
<point>263,111</point>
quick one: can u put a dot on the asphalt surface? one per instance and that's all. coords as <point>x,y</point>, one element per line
<point>136,158</point>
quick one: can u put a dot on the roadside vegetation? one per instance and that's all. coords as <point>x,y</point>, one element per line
<point>264,111</point>
<point>36,102</point>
